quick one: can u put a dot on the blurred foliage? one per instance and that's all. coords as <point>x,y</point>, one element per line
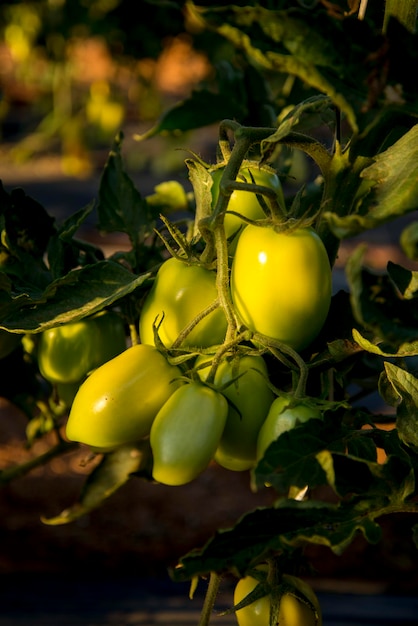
<point>74,72</point>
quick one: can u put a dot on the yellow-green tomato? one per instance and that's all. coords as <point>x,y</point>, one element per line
<point>186,433</point>
<point>292,611</point>
<point>67,353</point>
<point>251,396</point>
<point>281,283</point>
<point>246,203</point>
<point>284,414</point>
<point>181,292</point>
<point>118,402</point>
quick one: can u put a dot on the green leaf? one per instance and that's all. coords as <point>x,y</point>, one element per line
<point>81,292</point>
<point>290,523</point>
<point>392,189</point>
<point>65,252</point>
<point>401,391</point>
<point>379,307</point>
<point>291,460</point>
<point>409,241</point>
<point>405,280</point>
<point>121,207</point>
<point>303,52</point>
<point>289,131</point>
<point>404,350</point>
<point>114,470</point>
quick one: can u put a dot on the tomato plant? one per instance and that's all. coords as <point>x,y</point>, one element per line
<point>339,355</point>
<point>180,293</point>
<point>67,353</point>
<point>281,283</point>
<point>246,203</point>
<point>250,398</point>
<point>186,432</point>
<point>118,402</point>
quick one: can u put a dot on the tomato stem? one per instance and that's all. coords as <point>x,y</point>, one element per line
<point>210,597</point>
<point>17,471</point>
<point>133,332</point>
<point>278,347</point>
<point>188,329</point>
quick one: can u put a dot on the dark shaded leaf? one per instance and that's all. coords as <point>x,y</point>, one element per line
<point>290,523</point>
<point>81,292</point>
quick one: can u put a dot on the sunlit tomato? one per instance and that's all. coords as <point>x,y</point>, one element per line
<point>67,353</point>
<point>118,402</point>
<point>246,203</point>
<point>186,433</point>
<point>284,414</point>
<point>181,292</point>
<point>292,612</point>
<point>251,396</point>
<point>281,284</point>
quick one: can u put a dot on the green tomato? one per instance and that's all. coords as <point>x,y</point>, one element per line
<point>186,433</point>
<point>67,353</point>
<point>181,292</point>
<point>246,203</point>
<point>118,402</point>
<point>292,611</point>
<point>284,414</point>
<point>281,284</point>
<point>252,397</point>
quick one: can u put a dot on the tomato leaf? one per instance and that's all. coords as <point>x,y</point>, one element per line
<point>81,292</point>
<point>409,241</point>
<point>291,459</point>
<point>379,308</point>
<point>290,523</point>
<point>121,207</point>
<point>65,252</point>
<point>114,470</point>
<point>393,181</point>
<point>401,390</point>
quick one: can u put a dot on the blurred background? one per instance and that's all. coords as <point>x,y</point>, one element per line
<point>73,73</point>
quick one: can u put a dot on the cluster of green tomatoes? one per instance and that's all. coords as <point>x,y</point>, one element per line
<point>221,405</point>
<point>196,385</point>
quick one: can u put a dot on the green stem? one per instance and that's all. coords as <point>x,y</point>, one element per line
<point>188,329</point>
<point>22,469</point>
<point>277,347</point>
<point>404,10</point>
<point>209,603</point>
<point>133,331</point>
<point>225,347</point>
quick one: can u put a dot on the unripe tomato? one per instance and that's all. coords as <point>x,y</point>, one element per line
<point>186,433</point>
<point>67,353</point>
<point>180,292</point>
<point>252,396</point>
<point>292,612</point>
<point>246,203</point>
<point>281,283</point>
<point>118,402</point>
<point>284,414</point>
